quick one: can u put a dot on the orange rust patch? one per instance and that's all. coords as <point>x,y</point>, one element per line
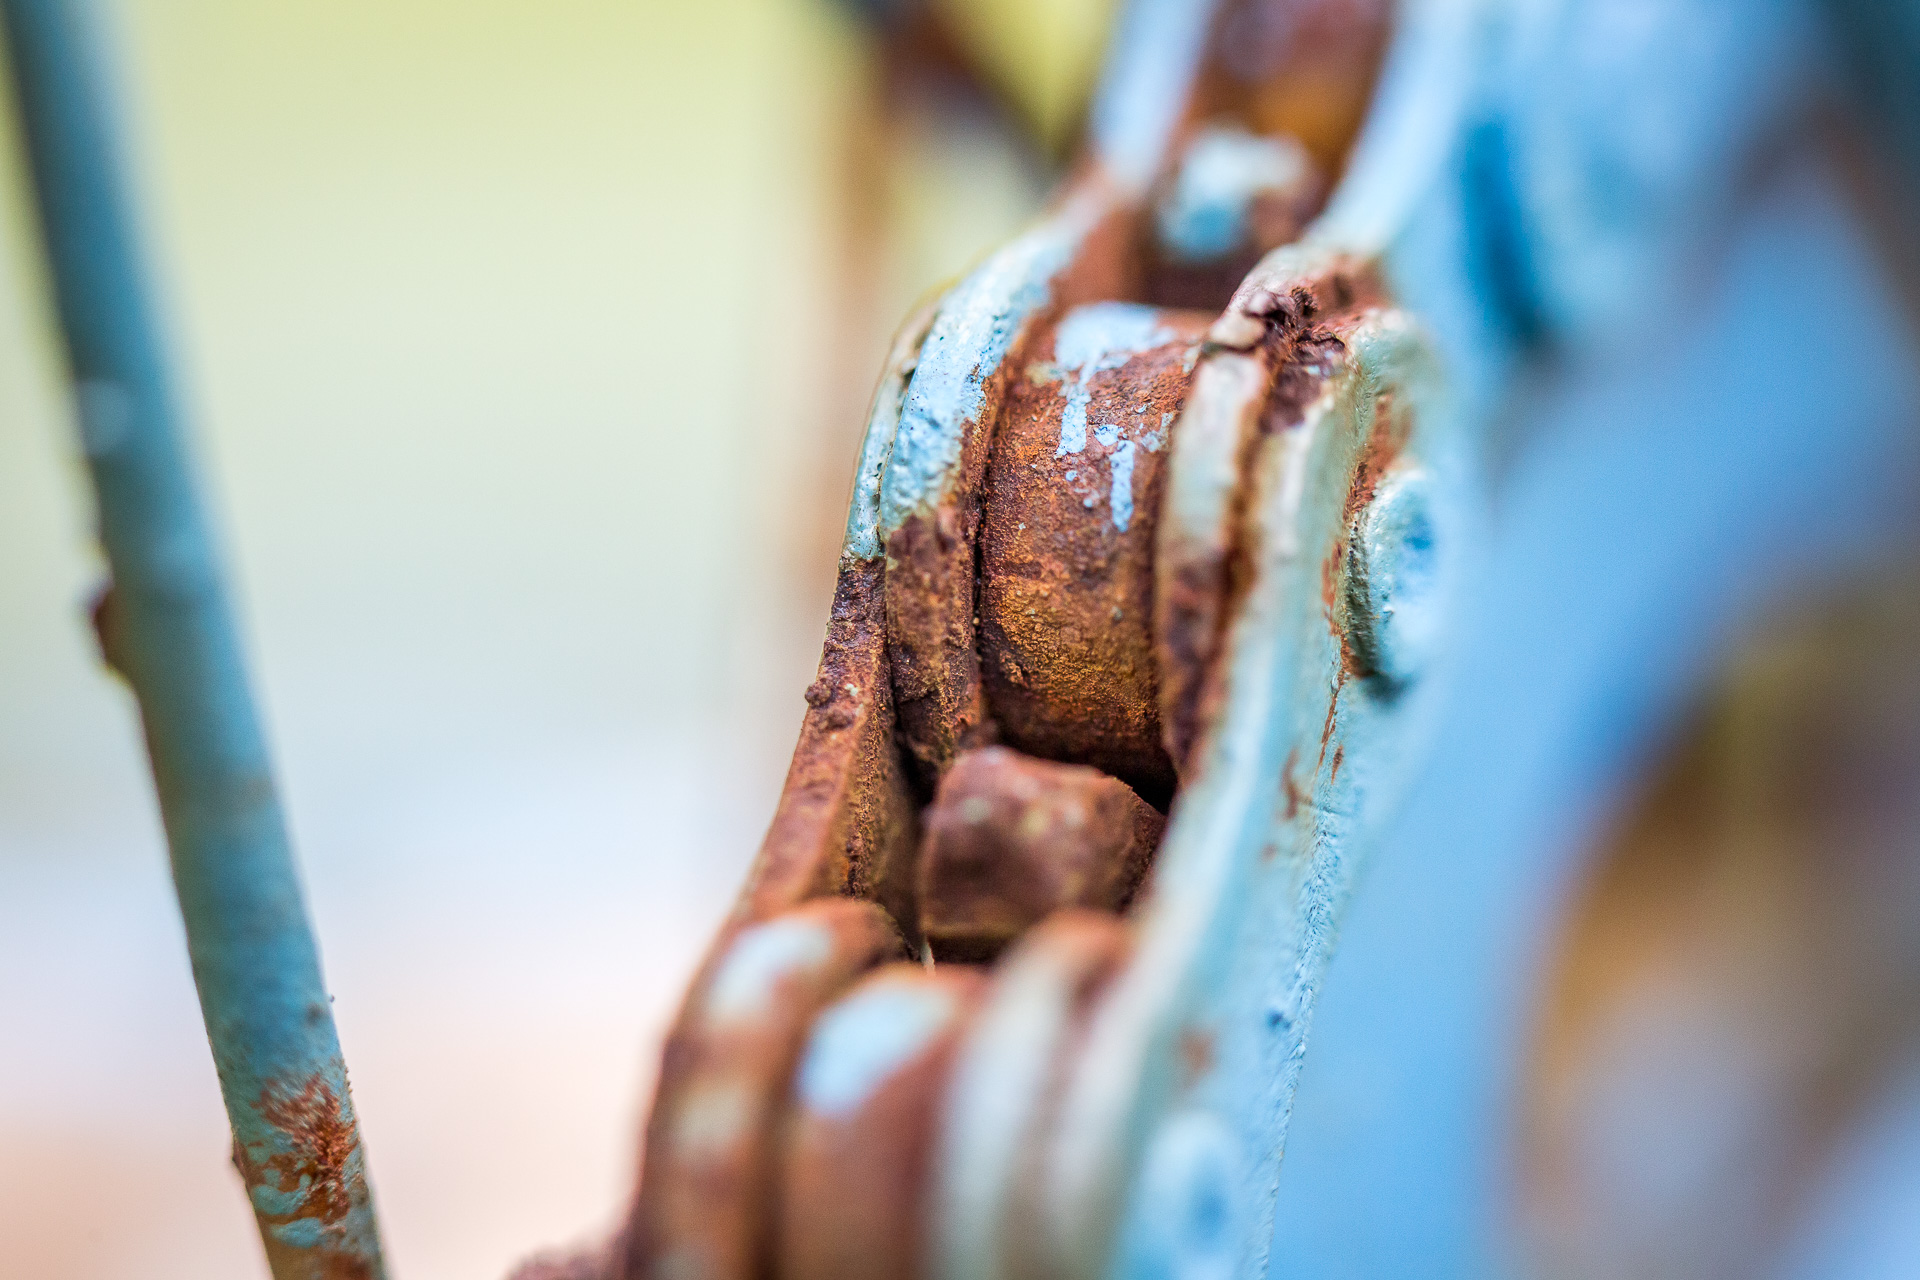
<point>1276,216</point>
<point>933,609</point>
<point>1386,437</point>
<point>1305,68</point>
<point>314,1120</point>
<point>1304,320</point>
<point>1333,710</point>
<point>1011,839</point>
<point>846,819</point>
<point>1066,595</point>
<point>931,620</point>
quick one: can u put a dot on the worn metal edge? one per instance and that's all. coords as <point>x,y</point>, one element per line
<point>1223,820</point>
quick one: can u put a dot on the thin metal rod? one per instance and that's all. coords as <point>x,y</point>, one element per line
<point>165,624</point>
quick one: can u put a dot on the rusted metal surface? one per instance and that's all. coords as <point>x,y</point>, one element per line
<point>1235,196</point>
<point>930,494</point>
<point>1011,839</point>
<point>846,819</point>
<point>1269,356</point>
<point>1168,1139</point>
<point>1274,94</point>
<point>1016,502</point>
<point>859,1143</point>
<point>1066,544</point>
<point>846,828</point>
<point>705,1205</point>
<point>1233,608</point>
<point>1204,561</point>
<point>1007,1078</point>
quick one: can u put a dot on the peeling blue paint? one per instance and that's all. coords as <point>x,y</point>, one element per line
<point>862,540</point>
<point>976,327</point>
<point>1091,340</point>
<point>1208,212</point>
<point>1122,498</point>
<point>859,1042</point>
<point>759,959</point>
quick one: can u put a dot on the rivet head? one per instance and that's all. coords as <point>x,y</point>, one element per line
<point>1393,596</point>
<point>1189,1215</point>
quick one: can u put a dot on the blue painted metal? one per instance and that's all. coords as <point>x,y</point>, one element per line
<point>1604,271</point>
<point>1667,495</point>
<point>1094,339</point>
<point>167,627</point>
<point>1207,212</point>
<point>975,327</point>
<point>1537,180</point>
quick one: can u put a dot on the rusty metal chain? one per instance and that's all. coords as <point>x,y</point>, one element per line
<point>1119,486</point>
<point>1158,520</point>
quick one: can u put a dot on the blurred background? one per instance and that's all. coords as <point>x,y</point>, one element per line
<point>527,378</point>
<point>528,348</point>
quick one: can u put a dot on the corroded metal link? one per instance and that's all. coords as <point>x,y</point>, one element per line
<point>846,818</point>
<point>1168,1142</point>
<point>1268,358</point>
<point>705,1202</point>
<point>1066,546</point>
<point>1011,840</point>
<point>1008,1075</point>
<point>860,1139</point>
<point>930,492</point>
<point>998,583</point>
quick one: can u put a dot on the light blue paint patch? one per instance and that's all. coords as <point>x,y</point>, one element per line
<point>977,325</point>
<point>863,511</point>
<point>756,963</point>
<point>1208,212</point>
<point>301,1233</point>
<point>1122,498</point>
<point>1144,90</point>
<point>1093,339</point>
<point>883,421</point>
<point>865,1038</point>
<point>272,1200</point>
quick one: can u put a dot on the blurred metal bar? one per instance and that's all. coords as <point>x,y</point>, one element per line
<point>165,624</point>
